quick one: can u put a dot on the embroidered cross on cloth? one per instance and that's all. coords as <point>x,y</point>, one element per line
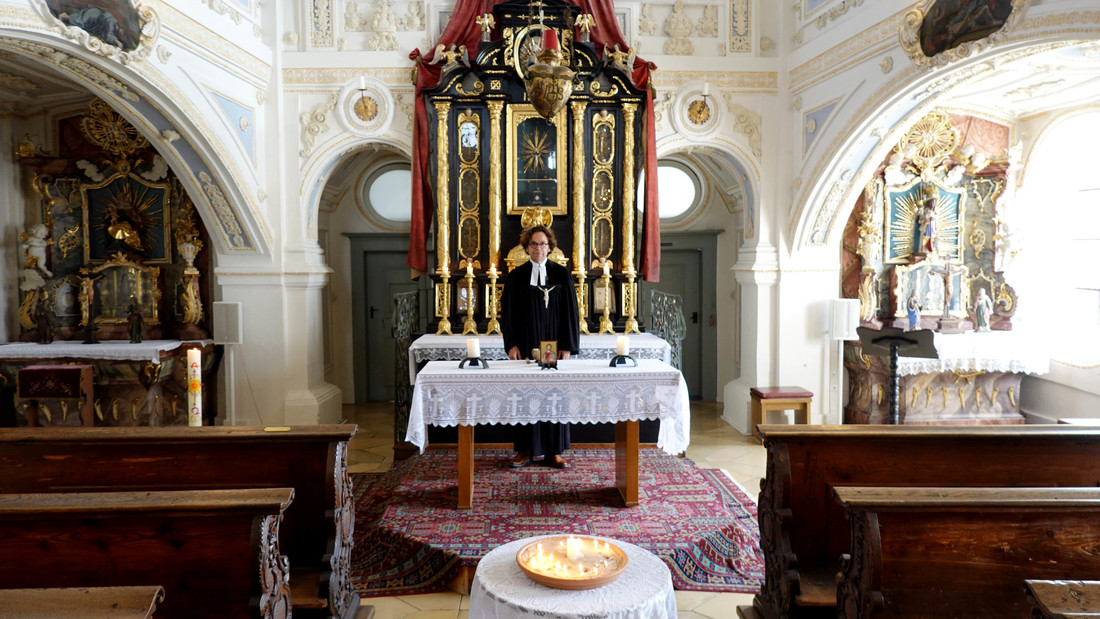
<point>546,295</point>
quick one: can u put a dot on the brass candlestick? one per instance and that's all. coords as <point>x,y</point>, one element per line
<point>605,320</point>
<point>492,304</point>
<point>469,325</point>
<point>443,305</point>
<point>629,304</point>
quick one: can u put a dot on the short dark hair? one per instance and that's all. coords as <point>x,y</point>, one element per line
<point>525,236</point>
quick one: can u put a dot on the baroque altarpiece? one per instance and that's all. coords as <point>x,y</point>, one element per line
<point>927,248</point>
<point>535,123</point>
<point>114,250</point>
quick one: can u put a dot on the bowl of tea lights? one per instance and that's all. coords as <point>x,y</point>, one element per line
<point>569,562</point>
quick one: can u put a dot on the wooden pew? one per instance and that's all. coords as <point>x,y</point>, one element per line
<point>215,552</point>
<point>1063,599</point>
<point>803,531</point>
<point>317,527</point>
<point>84,602</point>
<point>962,552</point>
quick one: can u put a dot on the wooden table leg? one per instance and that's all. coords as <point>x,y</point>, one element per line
<point>465,466</point>
<point>626,461</point>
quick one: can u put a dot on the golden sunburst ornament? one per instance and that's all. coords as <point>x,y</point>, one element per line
<point>366,109</point>
<point>535,149</point>
<point>698,112</point>
<point>107,129</point>
<point>933,139</point>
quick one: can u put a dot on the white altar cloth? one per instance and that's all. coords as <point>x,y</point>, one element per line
<point>442,347</point>
<point>501,590</point>
<point>988,351</point>
<point>580,391</point>
<point>111,350</point>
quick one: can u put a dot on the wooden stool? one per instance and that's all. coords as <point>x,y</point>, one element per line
<point>766,399</point>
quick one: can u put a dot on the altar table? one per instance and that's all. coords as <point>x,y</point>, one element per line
<point>443,347</point>
<point>501,590</point>
<point>580,391</point>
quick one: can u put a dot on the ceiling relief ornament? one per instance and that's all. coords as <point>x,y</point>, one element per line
<point>125,33</point>
<point>741,26</point>
<point>315,123</point>
<point>943,31</point>
<point>322,29</point>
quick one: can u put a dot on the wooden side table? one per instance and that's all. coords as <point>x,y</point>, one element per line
<point>765,399</point>
<point>61,388</point>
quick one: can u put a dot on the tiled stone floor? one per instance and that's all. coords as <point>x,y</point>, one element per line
<point>714,444</point>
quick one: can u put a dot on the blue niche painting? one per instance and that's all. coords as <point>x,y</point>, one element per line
<point>115,22</point>
<point>950,23</point>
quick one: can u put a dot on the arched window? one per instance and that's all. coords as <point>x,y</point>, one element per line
<point>679,190</point>
<point>1058,232</point>
<point>386,192</point>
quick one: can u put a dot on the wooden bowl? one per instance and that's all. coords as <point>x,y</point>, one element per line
<point>617,560</point>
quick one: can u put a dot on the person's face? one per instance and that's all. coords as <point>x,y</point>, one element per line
<point>538,247</point>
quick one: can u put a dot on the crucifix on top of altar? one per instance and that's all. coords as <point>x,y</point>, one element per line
<point>535,113</point>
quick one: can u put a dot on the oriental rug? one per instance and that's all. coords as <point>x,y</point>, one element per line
<point>410,537</point>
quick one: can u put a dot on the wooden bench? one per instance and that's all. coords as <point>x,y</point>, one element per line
<point>215,552</point>
<point>803,531</point>
<point>961,552</point>
<point>84,602</point>
<point>1064,599</point>
<point>317,527</point>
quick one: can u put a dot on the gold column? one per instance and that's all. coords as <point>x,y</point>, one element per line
<point>579,211</point>
<point>492,307</point>
<point>630,304</point>
<point>442,219</point>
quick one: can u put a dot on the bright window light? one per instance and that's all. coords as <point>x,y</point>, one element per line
<point>677,187</point>
<point>389,194</point>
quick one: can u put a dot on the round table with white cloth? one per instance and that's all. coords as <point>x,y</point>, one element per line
<point>502,591</point>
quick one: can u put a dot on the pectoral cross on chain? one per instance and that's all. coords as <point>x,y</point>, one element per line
<point>546,295</point>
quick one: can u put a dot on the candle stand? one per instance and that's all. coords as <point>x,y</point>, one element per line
<point>469,325</point>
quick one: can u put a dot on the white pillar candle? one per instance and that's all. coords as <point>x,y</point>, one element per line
<point>706,89</point>
<point>473,347</point>
<point>622,345</point>
<point>194,387</point>
<point>362,83</point>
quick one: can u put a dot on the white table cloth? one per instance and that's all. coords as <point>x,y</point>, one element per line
<point>580,391</point>
<point>112,350</point>
<point>444,347</point>
<point>502,591</point>
<point>988,351</point>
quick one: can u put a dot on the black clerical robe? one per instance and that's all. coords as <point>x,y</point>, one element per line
<point>529,315</point>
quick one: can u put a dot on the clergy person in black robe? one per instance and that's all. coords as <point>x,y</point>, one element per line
<point>539,304</point>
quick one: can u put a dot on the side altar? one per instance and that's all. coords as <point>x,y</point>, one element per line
<point>975,381</point>
<point>929,246</point>
<point>134,384</point>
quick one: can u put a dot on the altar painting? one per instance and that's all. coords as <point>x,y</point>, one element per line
<point>907,223</point>
<point>129,215</point>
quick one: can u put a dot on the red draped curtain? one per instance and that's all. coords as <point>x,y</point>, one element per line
<point>463,30</point>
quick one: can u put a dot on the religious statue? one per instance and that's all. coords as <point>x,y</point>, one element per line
<point>135,321</point>
<point>926,224</point>
<point>44,320</point>
<point>912,310</point>
<point>34,249</point>
<point>983,309</point>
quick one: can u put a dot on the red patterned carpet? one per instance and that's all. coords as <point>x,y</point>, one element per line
<point>410,537</point>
